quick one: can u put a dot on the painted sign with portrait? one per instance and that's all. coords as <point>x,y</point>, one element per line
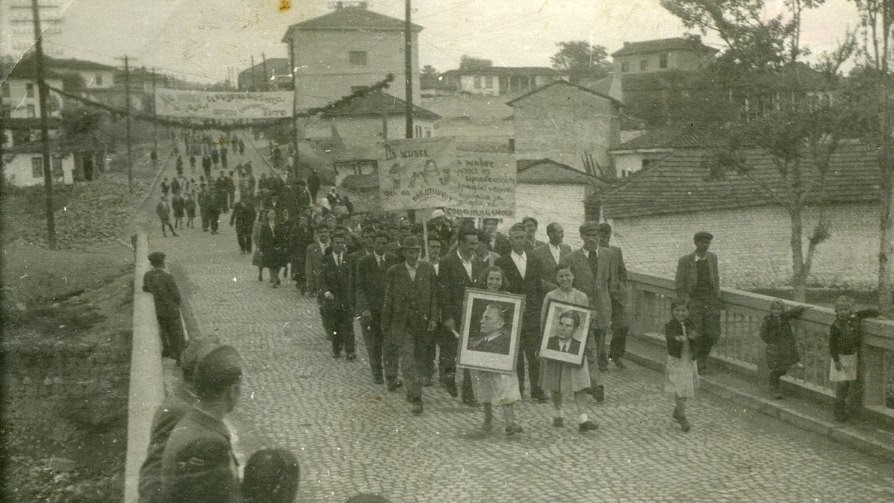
<point>422,173</point>
<point>489,333</point>
<point>565,332</point>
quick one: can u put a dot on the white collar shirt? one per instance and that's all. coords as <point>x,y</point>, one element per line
<point>521,262</point>
<point>412,270</point>
<point>556,251</point>
<point>467,265</point>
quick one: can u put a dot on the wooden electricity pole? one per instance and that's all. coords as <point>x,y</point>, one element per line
<point>127,108</point>
<point>42,91</point>
<point>254,80</point>
<point>154,115</point>
<point>408,68</point>
<point>266,75</point>
<point>295,127</point>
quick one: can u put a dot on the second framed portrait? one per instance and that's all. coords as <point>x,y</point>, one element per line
<point>490,330</point>
<point>565,332</point>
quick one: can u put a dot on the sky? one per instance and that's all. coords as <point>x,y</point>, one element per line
<point>198,40</point>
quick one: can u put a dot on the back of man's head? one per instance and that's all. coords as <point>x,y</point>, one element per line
<point>217,371</point>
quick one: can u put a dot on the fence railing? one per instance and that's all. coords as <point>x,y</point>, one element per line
<point>741,347</point>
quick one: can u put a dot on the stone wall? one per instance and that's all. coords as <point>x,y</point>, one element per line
<point>752,245</point>
<point>550,203</point>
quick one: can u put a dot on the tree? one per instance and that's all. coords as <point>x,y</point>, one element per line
<point>468,63</point>
<point>429,78</point>
<point>877,21</point>
<point>581,60</point>
<point>762,62</point>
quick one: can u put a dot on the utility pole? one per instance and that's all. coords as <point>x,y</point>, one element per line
<point>266,75</point>
<point>254,80</point>
<point>127,107</point>
<point>42,92</point>
<point>155,116</point>
<point>408,68</point>
<point>295,127</point>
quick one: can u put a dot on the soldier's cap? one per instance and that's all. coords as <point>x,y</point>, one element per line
<point>589,228</point>
<point>156,258</point>
<point>220,366</point>
<point>410,243</point>
<point>703,235</point>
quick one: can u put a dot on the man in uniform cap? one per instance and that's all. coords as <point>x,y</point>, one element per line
<point>199,451</point>
<point>167,415</point>
<point>408,317</point>
<point>698,281</point>
<point>163,288</point>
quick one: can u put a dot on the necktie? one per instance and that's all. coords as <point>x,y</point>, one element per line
<point>564,348</point>
<point>593,259</point>
<point>338,260</point>
<point>379,261</point>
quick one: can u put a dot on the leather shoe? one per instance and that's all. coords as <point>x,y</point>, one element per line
<point>539,397</point>
<point>351,357</point>
<point>393,385</point>
<point>417,407</point>
<point>558,422</point>
<point>470,401</point>
<point>619,363</point>
<point>598,393</point>
<point>587,426</point>
<point>512,429</point>
<point>451,388</point>
<point>336,355</point>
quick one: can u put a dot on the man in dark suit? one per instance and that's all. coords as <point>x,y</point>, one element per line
<point>531,225</point>
<point>163,287</point>
<point>552,254</point>
<point>525,276</point>
<point>312,262</point>
<point>564,340</point>
<point>595,272</point>
<point>441,338</point>
<point>408,315</point>
<point>458,270</point>
<point>338,303</point>
<point>371,271</point>
<point>618,345</point>
<point>496,242</point>
<point>493,336</point>
<point>198,457</point>
<point>698,280</point>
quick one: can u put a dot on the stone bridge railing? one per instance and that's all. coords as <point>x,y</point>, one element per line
<point>740,347</point>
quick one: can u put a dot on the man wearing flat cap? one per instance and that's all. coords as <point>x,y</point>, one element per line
<point>167,415</point>
<point>408,318</point>
<point>199,451</point>
<point>163,288</point>
<point>698,281</point>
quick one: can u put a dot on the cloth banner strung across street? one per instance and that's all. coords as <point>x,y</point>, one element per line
<point>220,105</point>
<point>426,173</point>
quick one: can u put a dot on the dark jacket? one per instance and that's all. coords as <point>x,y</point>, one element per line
<point>337,280</point>
<point>406,297</point>
<point>686,276</point>
<point>452,284</point>
<point>499,345</point>
<point>845,335</point>
<point>776,332</point>
<point>531,286</point>
<point>167,415</point>
<point>164,291</point>
<point>573,346</point>
<point>370,279</point>
<point>672,329</point>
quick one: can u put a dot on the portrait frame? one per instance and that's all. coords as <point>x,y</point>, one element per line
<point>549,345</point>
<point>499,354</point>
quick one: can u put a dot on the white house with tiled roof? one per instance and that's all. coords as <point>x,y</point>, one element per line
<point>346,49</point>
<point>682,53</point>
<point>502,80</point>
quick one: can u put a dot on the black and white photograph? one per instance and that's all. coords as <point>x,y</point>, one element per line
<point>491,326</point>
<point>450,251</point>
<point>565,332</point>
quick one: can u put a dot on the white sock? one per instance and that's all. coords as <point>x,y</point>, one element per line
<point>582,418</point>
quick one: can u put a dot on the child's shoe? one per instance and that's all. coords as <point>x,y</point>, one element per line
<point>558,422</point>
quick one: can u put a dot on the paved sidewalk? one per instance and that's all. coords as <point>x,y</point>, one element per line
<point>353,436</point>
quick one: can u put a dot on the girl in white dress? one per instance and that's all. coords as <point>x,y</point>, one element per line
<point>681,372</point>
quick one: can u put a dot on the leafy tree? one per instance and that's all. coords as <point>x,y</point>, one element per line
<point>581,60</point>
<point>874,94</point>
<point>429,78</point>
<point>469,63</point>
<point>762,61</point>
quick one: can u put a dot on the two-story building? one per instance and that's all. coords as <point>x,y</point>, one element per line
<point>501,80</point>
<point>567,123</point>
<point>348,49</point>
<point>273,74</point>
<point>681,53</point>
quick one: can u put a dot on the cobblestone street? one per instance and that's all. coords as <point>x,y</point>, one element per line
<point>352,436</point>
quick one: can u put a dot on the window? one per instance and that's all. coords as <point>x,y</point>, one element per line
<point>488,82</point>
<point>662,60</point>
<point>418,132</point>
<point>98,79</point>
<point>477,82</point>
<point>57,167</point>
<point>4,89</point>
<point>357,57</point>
<point>29,90</point>
<point>29,111</point>
<point>625,66</point>
<point>37,167</point>
<point>643,65</point>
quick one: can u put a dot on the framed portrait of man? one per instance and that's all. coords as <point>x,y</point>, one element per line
<point>490,330</point>
<point>565,332</point>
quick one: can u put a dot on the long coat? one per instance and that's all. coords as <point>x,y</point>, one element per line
<point>598,289</point>
<point>405,296</point>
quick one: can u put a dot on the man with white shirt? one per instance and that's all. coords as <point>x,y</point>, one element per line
<point>457,271</point>
<point>525,276</point>
<point>338,301</point>
<point>552,254</point>
<point>370,277</point>
<point>698,281</point>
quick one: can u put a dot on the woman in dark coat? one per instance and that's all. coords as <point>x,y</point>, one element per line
<point>267,247</point>
<point>782,350</point>
<point>301,237</point>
